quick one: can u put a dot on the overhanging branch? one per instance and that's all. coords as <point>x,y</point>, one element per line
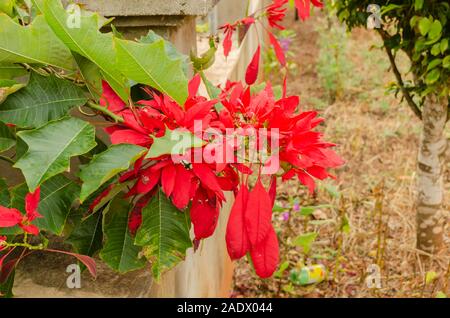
<point>398,76</point>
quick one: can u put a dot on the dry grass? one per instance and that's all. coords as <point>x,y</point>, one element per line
<point>378,136</point>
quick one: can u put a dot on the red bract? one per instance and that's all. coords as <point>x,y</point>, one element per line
<point>277,48</point>
<point>204,214</point>
<point>276,13</point>
<point>31,205</point>
<point>110,99</point>
<point>253,68</point>
<point>265,256</point>
<point>236,237</point>
<point>10,217</point>
<point>228,30</point>
<point>135,219</point>
<point>304,7</point>
<point>258,215</point>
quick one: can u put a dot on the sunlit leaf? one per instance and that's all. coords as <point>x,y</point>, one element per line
<point>45,98</point>
<point>164,234</point>
<point>51,147</point>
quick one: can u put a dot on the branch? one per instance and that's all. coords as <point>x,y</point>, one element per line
<point>448,110</point>
<point>416,110</point>
<point>104,110</point>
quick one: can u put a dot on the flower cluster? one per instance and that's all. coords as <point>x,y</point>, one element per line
<point>301,152</point>
<point>197,183</point>
<point>200,184</point>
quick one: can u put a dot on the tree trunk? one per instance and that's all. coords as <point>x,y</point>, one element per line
<point>431,219</point>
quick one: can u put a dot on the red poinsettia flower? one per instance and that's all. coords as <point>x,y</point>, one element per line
<point>302,153</point>
<point>199,183</point>
<point>276,13</point>
<point>151,118</point>
<point>10,217</point>
<point>228,30</point>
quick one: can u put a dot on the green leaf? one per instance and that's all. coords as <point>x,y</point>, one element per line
<point>413,21</point>
<point>91,75</point>
<point>418,5</point>
<point>7,139</point>
<point>433,64</point>
<point>435,29</point>
<point>308,210</point>
<point>174,142</point>
<point>51,147</point>
<point>443,45</point>
<point>441,294</point>
<point>171,50</point>
<point>345,225</point>
<point>436,49</point>
<point>305,241</point>
<point>159,71</point>
<point>390,7</point>
<point>446,62</point>
<point>432,76</point>
<point>106,165</point>
<point>331,189</point>
<point>164,234</point>
<point>213,92</point>
<point>57,196</point>
<point>33,44</point>
<point>279,273</point>
<point>11,71</point>
<point>277,208</point>
<point>44,99</point>
<point>430,277</point>
<point>87,236</point>
<point>7,6</point>
<point>87,41</point>
<point>5,196</point>
<point>424,26</point>
<point>119,251</point>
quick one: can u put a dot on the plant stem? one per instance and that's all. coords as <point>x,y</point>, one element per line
<point>26,245</point>
<point>205,80</point>
<point>104,110</point>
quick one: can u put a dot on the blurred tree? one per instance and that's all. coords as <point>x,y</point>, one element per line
<point>421,29</point>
